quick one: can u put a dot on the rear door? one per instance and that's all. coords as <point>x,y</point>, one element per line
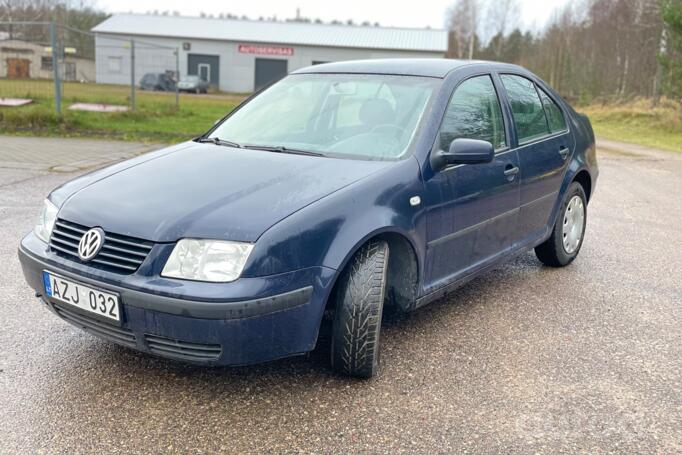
<point>544,145</point>
<point>472,209</point>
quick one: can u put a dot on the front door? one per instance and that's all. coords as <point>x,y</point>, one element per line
<point>18,68</point>
<point>205,72</point>
<point>269,70</point>
<point>472,209</point>
<point>206,67</point>
<point>544,146</point>
<point>69,71</point>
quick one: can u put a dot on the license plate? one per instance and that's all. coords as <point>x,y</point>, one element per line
<point>93,300</point>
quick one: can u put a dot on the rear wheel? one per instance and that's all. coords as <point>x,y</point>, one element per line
<point>357,319</point>
<point>564,244</point>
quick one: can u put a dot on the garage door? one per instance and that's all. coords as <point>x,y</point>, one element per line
<point>269,70</point>
<point>205,66</point>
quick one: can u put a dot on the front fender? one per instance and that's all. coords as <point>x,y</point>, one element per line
<point>327,232</point>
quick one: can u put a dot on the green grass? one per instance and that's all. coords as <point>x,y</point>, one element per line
<point>156,118</point>
<point>638,123</point>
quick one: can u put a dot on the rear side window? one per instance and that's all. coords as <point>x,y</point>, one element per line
<point>554,115</point>
<point>474,113</point>
<point>527,109</point>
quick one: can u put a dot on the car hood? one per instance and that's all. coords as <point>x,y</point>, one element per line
<point>206,191</point>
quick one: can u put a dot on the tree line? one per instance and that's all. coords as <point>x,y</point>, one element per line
<point>611,49</point>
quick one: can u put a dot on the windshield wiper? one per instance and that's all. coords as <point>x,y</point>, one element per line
<point>218,141</point>
<point>282,149</point>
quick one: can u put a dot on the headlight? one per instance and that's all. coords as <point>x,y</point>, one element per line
<point>48,216</point>
<point>207,260</point>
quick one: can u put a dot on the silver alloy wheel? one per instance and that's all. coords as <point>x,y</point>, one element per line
<point>574,223</point>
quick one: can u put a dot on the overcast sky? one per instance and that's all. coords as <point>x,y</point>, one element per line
<point>398,13</point>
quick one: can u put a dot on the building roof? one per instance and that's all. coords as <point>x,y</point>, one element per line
<point>427,67</point>
<point>348,36</point>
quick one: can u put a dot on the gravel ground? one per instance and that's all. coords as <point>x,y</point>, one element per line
<point>524,359</point>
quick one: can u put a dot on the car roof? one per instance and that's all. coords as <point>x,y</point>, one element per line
<point>427,67</point>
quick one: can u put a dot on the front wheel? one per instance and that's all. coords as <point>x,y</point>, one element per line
<point>357,319</point>
<point>564,244</point>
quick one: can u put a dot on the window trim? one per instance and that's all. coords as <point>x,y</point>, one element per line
<point>537,86</point>
<point>507,147</point>
<point>561,110</point>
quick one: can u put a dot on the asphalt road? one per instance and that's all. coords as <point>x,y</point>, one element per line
<point>524,359</point>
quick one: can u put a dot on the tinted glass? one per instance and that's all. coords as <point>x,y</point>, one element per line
<point>554,115</point>
<point>360,116</point>
<point>474,113</point>
<point>529,116</point>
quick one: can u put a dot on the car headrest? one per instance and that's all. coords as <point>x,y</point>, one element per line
<point>376,111</point>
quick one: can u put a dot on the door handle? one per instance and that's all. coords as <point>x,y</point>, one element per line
<point>510,171</point>
<point>563,151</point>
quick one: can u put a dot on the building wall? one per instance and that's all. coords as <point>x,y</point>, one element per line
<point>35,54</point>
<point>237,69</point>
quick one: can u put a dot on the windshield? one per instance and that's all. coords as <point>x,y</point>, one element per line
<point>370,117</point>
<point>191,79</point>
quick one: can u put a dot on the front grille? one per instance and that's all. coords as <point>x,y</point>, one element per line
<point>182,350</point>
<point>101,329</point>
<point>119,253</point>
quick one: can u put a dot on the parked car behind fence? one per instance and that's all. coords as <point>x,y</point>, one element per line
<point>193,84</point>
<point>158,82</point>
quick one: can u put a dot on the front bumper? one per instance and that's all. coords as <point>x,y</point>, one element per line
<point>251,320</point>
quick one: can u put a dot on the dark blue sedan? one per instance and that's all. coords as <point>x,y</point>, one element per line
<point>343,189</point>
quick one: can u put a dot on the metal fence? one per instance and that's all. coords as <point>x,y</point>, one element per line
<point>45,63</point>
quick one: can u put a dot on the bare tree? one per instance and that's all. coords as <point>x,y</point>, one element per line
<point>502,18</point>
<point>463,23</point>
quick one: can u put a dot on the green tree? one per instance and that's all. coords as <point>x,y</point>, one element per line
<point>671,53</point>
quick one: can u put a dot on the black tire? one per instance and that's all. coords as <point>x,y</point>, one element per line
<point>552,251</point>
<point>357,319</point>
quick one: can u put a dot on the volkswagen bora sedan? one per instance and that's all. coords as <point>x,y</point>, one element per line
<point>345,189</point>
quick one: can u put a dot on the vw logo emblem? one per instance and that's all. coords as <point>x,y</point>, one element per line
<point>90,244</point>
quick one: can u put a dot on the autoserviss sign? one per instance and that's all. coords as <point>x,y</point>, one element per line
<point>265,50</point>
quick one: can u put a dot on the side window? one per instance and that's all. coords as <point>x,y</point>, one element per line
<point>554,115</point>
<point>529,115</point>
<point>474,112</point>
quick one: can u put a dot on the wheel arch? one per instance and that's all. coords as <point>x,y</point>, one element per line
<point>403,268</point>
<point>584,178</point>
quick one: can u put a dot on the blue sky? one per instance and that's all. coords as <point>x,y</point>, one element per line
<point>421,13</point>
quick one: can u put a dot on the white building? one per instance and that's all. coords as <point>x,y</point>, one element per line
<point>243,55</point>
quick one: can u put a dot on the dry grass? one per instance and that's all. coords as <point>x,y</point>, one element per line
<point>638,122</point>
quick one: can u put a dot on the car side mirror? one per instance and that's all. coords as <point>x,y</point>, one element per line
<point>463,151</point>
